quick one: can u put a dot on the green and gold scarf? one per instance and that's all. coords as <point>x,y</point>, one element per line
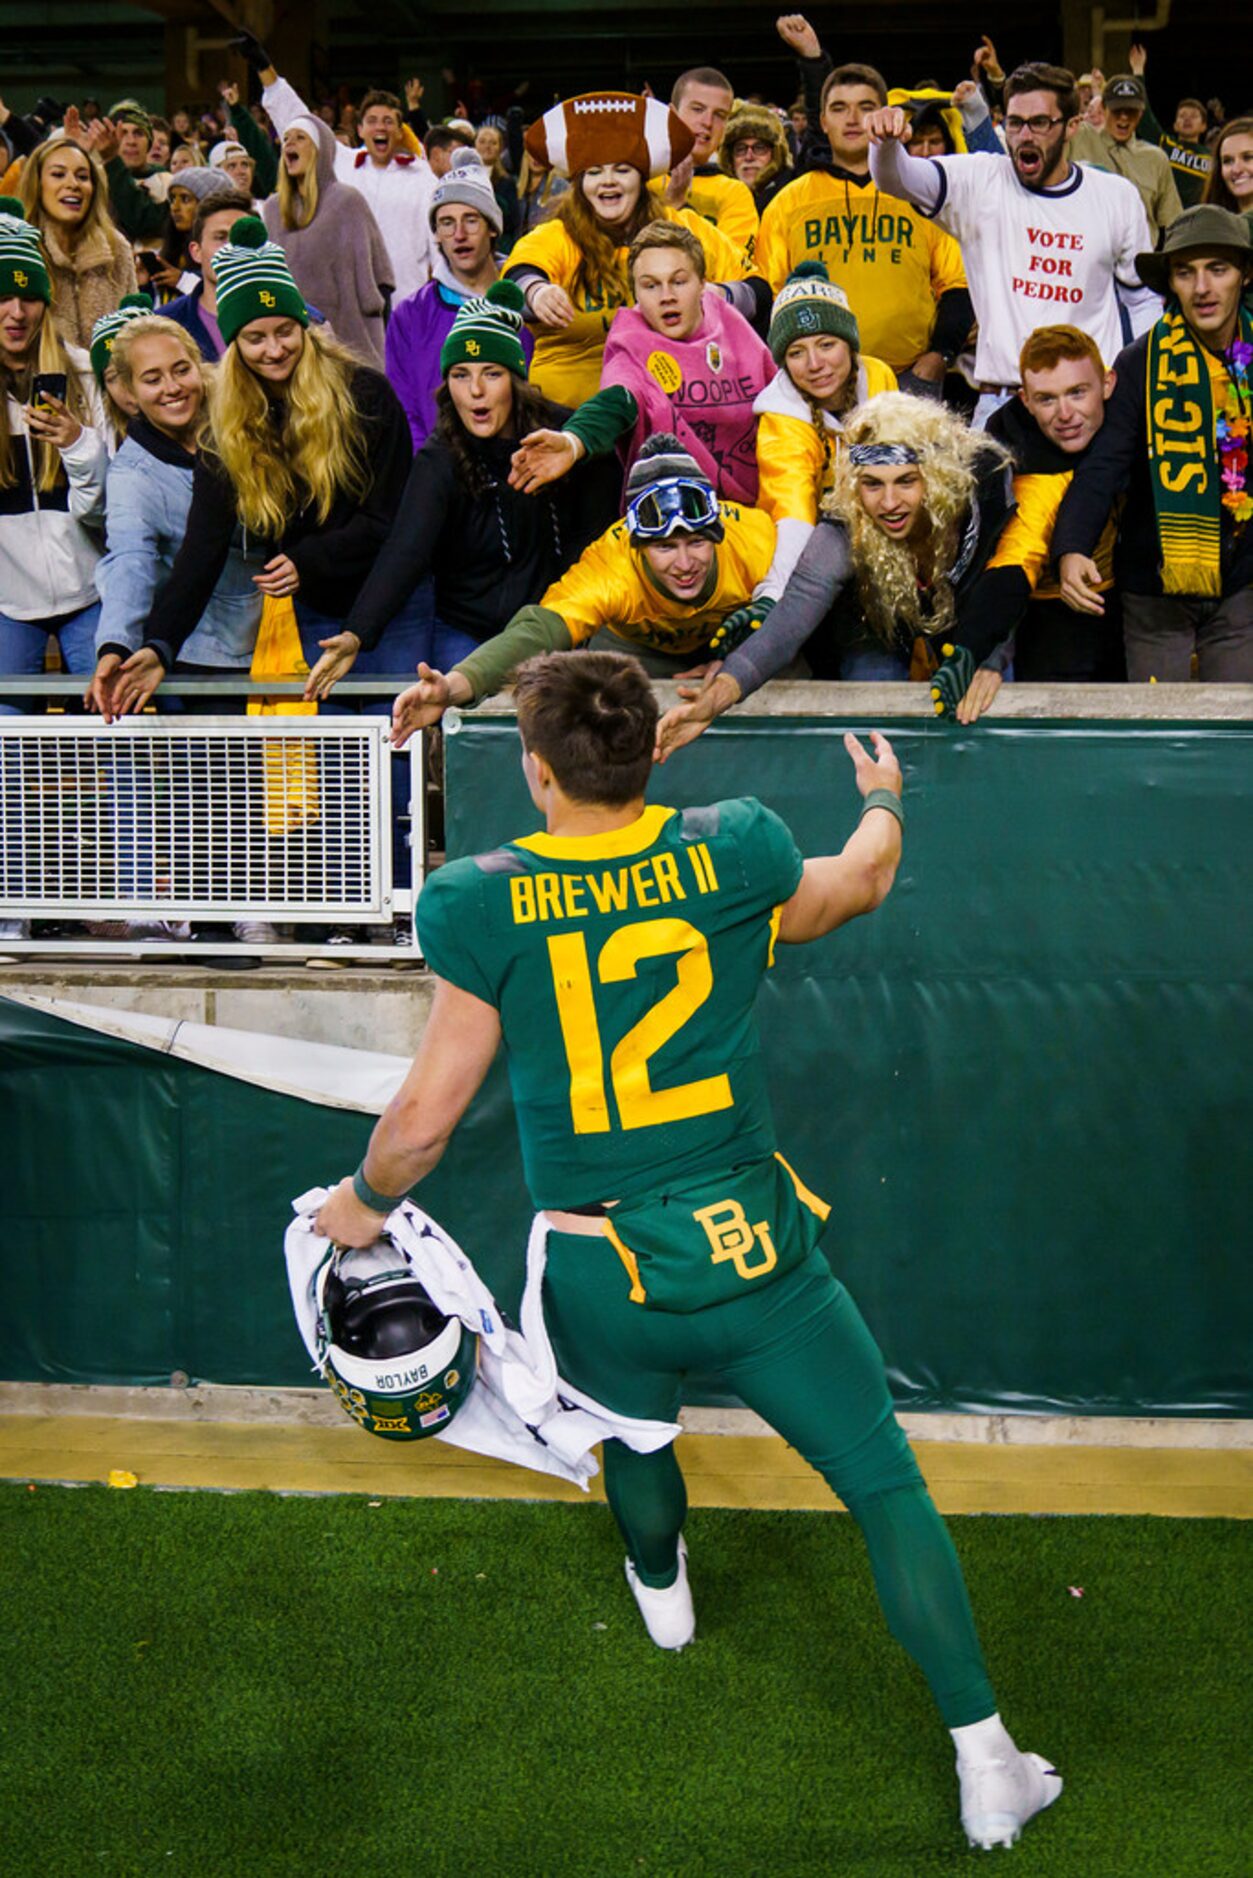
<point>1183,456</point>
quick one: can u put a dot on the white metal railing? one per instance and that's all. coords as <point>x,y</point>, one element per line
<point>180,818</point>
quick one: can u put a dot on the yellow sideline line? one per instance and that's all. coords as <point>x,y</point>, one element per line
<point>721,1470</point>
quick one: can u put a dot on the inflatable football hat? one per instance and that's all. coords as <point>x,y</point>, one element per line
<point>610,127</point>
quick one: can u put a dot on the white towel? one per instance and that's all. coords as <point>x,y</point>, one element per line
<point>519,1408</point>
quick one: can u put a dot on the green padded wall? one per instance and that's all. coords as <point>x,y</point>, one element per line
<point>1023,1083</point>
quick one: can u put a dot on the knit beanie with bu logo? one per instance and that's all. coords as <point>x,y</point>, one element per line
<point>23,269</point>
<point>609,127</point>
<point>488,331</point>
<point>132,306</point>
<point>810,303</point>
<point>254,281</point>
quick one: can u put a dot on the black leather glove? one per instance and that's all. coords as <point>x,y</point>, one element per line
<point>252,49</point>
<point>952,680</point>
<point>736,627</point>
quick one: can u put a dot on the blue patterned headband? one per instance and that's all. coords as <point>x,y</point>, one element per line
<point>863,454</point>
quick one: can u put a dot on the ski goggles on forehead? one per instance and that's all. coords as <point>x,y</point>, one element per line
<point>676,505</point>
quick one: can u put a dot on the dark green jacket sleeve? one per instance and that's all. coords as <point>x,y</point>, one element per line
<point>260,149</point>
<point>134,210</point>
<point>600,422</point>
<point>1149,128</point>
<point>533,629</point>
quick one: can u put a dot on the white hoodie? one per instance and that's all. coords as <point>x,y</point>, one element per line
<point>51,539</point>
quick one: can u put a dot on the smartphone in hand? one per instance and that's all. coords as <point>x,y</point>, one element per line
<point>46,385</point>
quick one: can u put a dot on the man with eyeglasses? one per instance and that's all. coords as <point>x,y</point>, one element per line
<point>1042,239</point>
<point>658,585</point>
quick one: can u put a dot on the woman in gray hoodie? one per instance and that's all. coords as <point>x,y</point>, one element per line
<point>334,248</point>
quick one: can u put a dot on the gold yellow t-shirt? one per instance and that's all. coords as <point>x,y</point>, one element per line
<point>608,586</point>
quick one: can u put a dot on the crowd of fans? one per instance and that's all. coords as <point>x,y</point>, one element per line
<point>948,383</point>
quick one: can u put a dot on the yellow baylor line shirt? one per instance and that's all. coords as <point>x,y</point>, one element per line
<point>608,586</point>
<point>890,260</point>
<point>567,362</point>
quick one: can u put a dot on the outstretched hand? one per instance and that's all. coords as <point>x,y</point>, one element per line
<point>683,723</point>
<point>135,681</point>
<point>420,706</point>
<point>541,457</point>
<point>339,654</point>
<point>99,693</point>
<point>983,688</point>
<point>880,771</point>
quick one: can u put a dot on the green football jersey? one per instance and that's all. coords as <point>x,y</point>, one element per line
<point>625,968</point>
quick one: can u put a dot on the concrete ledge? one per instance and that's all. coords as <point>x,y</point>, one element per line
<point>315,1408</point>
<point>360,1008</point>
<point>1080,704</point>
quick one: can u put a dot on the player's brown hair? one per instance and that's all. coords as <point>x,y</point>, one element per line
<point>666,235</point>
<point>1047,346</point>
<point>1037,76</point>
<point>592,717</point>
<point>854,75</point>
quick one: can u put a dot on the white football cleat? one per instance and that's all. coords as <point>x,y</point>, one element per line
<point>1000,1796</point>
<point>669,1614</point>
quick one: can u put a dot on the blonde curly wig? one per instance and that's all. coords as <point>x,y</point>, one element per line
<point>887,571</point>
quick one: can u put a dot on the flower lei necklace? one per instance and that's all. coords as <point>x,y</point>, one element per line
<point>1233,433</point>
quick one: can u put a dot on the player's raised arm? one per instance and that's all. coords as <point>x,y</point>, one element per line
<point>837,887</point>
<point>461,1037</point>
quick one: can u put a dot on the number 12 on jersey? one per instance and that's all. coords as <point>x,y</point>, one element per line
<point>639,1104</point>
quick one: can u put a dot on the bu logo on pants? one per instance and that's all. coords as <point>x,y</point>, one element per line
<point>731,1237</point>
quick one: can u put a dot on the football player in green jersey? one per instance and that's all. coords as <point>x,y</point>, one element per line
<point>619,954</point>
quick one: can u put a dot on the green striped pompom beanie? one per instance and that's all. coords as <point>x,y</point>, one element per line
<point>254,281</point>
<point>132,306</point>
<point>488,331</point>
<point>23,267</point>
<point>809,303</point>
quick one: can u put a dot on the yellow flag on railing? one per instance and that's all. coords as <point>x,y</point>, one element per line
<point>291,767</point>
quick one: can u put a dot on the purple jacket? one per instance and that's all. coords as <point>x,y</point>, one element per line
<point>416,333</point>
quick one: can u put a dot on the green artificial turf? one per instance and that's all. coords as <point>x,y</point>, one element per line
<point>244,1683</point>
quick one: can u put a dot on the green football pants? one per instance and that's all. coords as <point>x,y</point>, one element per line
<point>798,1353</point>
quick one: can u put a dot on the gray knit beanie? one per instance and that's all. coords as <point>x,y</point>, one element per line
<point>467,181</point>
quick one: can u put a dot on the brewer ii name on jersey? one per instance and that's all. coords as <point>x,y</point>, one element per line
<point>624,967</point>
